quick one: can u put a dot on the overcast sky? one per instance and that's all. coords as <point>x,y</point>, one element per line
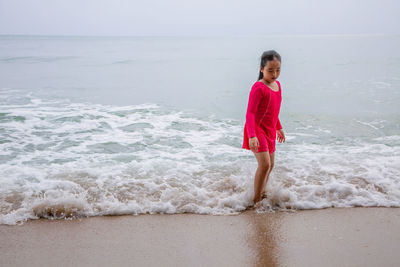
<point>200,17</point>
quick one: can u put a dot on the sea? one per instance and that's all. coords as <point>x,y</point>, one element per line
<point>95,126</point>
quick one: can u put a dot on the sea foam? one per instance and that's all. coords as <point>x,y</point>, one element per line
<point>63,160</point>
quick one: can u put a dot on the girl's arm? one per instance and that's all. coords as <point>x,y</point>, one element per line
<point>254,100</point>
<point>280,135</point>
<point>278,125</point>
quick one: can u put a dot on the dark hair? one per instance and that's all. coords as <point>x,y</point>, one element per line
<point>265,57</point>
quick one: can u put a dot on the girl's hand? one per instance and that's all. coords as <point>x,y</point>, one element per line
<point>280,136</point>
<point>253,143</point>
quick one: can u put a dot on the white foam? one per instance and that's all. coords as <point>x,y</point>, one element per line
<point>80,159</point>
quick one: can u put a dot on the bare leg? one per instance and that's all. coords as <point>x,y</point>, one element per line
<point>271,165</point>
<point>263,159</point>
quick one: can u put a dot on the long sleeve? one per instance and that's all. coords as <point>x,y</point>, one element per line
<point>254,100</point>
<point>278,125</point>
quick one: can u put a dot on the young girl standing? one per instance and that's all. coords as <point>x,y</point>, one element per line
<point>262,125</point>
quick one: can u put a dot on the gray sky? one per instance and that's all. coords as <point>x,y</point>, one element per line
<point>205,17</point>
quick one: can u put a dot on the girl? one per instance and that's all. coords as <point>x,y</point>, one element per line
<point>262,125</point>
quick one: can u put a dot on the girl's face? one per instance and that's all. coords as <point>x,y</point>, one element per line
<point>271,70</point>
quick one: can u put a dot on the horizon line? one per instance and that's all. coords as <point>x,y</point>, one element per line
<point>211,35</point>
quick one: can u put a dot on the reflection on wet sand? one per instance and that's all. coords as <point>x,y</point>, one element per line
<point>264,237</point>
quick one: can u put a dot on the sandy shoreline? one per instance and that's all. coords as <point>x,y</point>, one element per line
<point>327,237</point>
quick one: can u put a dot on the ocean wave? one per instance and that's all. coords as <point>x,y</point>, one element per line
<point>64,160</point>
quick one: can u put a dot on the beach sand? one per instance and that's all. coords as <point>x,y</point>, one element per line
<point>327,237</point>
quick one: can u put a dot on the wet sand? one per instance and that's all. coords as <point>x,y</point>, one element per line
<point>327,237</point>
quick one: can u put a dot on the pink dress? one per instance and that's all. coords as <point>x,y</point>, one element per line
<point>262,116</point>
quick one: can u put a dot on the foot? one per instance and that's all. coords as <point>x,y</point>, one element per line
<point>264,195</point>
<point>258,204</point>
<point>250,207</point>
<point>255,206</point>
